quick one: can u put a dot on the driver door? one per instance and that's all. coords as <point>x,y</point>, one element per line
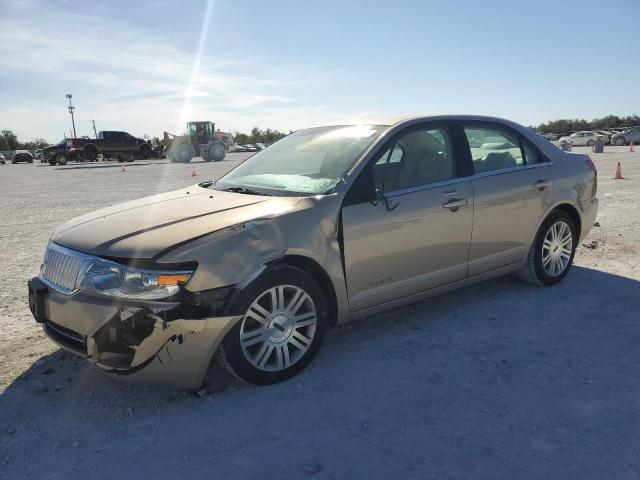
<point>417,235</point>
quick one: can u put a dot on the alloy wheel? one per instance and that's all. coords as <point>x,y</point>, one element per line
<point>556,248</point>
<point>278,328</point>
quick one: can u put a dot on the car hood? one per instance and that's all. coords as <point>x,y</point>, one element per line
<point>142,229</point>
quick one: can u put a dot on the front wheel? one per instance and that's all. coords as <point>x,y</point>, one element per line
<point>90,153</point>
<point>181,153</point>
<point>144,151</point>
<point>61,159</point>
<point>590,143</point>
<point>620,141</point>
<point>285,318</point>
<point>551,255</point>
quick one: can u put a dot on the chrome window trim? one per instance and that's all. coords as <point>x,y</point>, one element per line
<point>426,186</point>
<point>517,168</point>
<point>453,181</point>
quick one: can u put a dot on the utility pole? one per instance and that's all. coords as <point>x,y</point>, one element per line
<point>94,128</point>
<point>71,110</point>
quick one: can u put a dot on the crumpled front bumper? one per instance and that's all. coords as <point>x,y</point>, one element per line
<point>162,343</point>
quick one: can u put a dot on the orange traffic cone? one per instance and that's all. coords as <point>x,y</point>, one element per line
<point>618,174</point>
<point>631,147</point>
<point>193,172</point>
<point>122,168</point>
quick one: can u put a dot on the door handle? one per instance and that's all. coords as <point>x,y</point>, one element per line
<point>455,203</point>
<point>541,184</point>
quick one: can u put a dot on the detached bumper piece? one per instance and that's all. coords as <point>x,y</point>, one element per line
<point>169,344</point>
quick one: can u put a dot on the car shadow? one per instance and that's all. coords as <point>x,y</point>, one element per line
<point>500,366</point>
<point>106,165</point>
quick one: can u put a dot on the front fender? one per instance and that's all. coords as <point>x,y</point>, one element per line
<point>237,254</point>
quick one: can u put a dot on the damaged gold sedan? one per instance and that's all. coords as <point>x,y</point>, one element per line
<point>326,225</point>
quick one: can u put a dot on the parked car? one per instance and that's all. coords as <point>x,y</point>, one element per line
<point>606,134</point>
<point>120,145</point>
<point>626,137</point>
<point>261,146</point>
<point>579,139</point>
<point>22,156</point>
<point>251,148</point>
<point>549,136</point>
<point>38,155</point>
<point>2,159</point>
<point>327,225</point>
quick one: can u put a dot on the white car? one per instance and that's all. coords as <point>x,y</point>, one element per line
<point>580,139</point>
<point>2,159</point>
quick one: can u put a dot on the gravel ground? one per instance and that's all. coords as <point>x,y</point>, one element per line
<point>498,380</point>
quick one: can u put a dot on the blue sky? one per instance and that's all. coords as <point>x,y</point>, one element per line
<point>151,66</point>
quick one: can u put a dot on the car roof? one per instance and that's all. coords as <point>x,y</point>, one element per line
<point>392,120</point>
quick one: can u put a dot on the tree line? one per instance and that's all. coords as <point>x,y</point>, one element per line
<point>258,136</point>
<point>9,141</point>
<point>567,125</point>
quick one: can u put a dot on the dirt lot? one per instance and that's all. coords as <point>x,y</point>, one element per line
<point>499,380</point>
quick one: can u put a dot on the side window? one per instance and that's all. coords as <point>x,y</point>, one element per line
<point>493,149</point>
<point>417,158</point>
<point>394,154</point>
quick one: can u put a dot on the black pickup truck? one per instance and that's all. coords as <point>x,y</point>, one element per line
<point>120,145</point>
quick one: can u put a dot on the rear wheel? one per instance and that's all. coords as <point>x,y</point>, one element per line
<point>282,328</point>
<point>590,143</point>
<point>551,255</point>
<point>620,141</point>
<point>216,153</point>
<point>52,161</point>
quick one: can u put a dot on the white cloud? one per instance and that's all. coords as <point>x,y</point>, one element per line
<point>131,79</point>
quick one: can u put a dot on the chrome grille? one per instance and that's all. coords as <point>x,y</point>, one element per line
<point>61,268</point>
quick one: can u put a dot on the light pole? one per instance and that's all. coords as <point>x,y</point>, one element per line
<point>94,128</point>
<point>71,110</point>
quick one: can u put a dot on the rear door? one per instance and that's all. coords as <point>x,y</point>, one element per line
<point>512,189</point>
<point>417,237</point>
<point>107,142</point>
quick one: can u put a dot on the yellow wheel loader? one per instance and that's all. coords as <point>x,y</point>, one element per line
<point>199,141</point>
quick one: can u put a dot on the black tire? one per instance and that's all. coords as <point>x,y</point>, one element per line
<point>230,353</point>
<point>144,151</point>
<point>590,143</point>
<point>533,270</point>
<point>620,141</point>
<point>52,161</point>
<point>181,153</point>
<point>90,153</point>
<point>216,152</point>
<point>61,159</point>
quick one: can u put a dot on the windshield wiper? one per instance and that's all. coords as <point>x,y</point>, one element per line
<point>244,190</point>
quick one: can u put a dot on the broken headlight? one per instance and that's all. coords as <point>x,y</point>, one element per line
<point>116,280</point>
